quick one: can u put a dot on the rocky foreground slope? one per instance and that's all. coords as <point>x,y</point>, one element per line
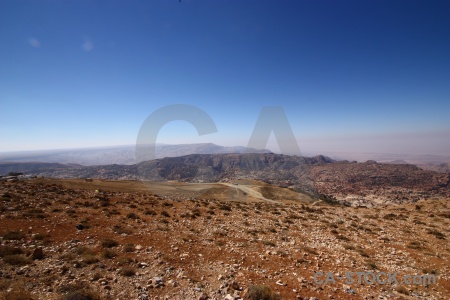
<point>79,242</point>
<point>354,183</point>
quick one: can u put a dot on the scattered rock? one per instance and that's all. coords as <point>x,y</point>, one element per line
<point>38,253</point>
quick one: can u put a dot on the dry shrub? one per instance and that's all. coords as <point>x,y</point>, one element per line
<point>390,217</point>
<point>109,253</point>
<point>9,250</point>
<point>150,212</point>
<point>90,258</point>
<point>132,216</point>
<point>16,259</point>
<point>78,291</point>
<point>13,235</point>
<point>225,207</point>
<point>436,233</point>
<point>109,243</point>
<point>261,292</point>
<point>128,271</point>
<point>402,290</point>
<point>120,230</point>
<point>16,294</point>
<point>311,250</point>
<point>129,247</point>
<point>415,245</point>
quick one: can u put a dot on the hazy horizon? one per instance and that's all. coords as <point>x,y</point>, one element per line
<point>351,76</point>
<point>360,156</point>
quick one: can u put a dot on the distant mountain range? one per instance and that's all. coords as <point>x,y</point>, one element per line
<point>281,170</point>
<point>438,163</point>
<point>350,182</point>
<point>122,155</point>
<point>125,155</point>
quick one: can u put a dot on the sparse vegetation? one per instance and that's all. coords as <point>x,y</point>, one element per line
<point>13,235</point>
<point>128,271</point>
<point>165,214</point>
<point>261,292</point>
<point>109,253</point>
<point>402,290</point>
<point>35,213</point>
<point>16,259</point>
<point>90,258</point>
<point>78,291</point>
<point>310,250</point>
<point>17,294</point>
<point>371,265</point>
<point>120,230</point>
<point>10,250</point>
<point>269,243</point>
<point>390,216</point>
<point>150,212</point>
<point>225,207</point>
<point>415,245</point>
<point>109,243</point>
<point>436,233</point>
<point>132,216</point>
<point>129,247</point>
<point>362,252</point>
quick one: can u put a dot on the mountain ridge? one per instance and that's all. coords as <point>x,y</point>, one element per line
<point>124,155</point>
<point>368,183</point>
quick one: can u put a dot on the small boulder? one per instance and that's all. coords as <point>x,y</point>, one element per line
<point>38,253</point>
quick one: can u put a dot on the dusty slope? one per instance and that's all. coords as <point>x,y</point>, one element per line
<point>183,249</point>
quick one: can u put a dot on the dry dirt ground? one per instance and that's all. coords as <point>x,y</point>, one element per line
<point>210,241</point>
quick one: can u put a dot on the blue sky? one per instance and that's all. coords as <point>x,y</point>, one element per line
<point>356,76</point>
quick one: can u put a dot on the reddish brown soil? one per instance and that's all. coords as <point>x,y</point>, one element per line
<point>204,246</point>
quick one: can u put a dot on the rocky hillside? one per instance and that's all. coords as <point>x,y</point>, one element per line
<point>367,183</point>
<point>281,170</point>
<point>59,242</point>
<point>438,167</point>
<point>371,182</point>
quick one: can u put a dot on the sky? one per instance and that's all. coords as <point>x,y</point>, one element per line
<point>351,76</point>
